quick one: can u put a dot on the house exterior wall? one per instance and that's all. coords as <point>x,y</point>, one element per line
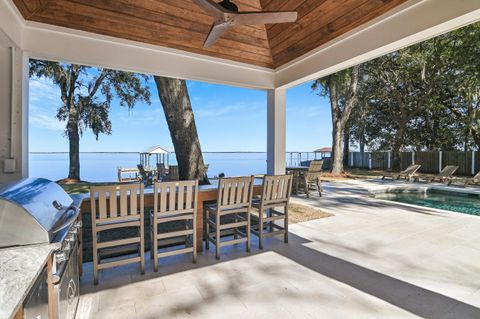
<point>16,154</point>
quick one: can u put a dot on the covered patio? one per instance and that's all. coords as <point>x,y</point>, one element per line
<point>371,259</point>
<point>365,262</point>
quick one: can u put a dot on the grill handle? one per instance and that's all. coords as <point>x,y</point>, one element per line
<point>69,221</point>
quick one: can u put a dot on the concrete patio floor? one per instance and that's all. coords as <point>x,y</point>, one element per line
<point>373,259</point>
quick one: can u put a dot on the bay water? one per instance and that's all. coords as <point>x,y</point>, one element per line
<point>102,167</point>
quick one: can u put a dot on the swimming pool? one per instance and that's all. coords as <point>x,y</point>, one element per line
<point>452,201</point>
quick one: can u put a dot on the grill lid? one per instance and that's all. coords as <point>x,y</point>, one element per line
<point>31,210</point>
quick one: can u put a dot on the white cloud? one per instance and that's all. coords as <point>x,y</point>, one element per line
<point>44,91</point>
<point>44,100</point>
<point>46,122</point>
<point>219,109</point>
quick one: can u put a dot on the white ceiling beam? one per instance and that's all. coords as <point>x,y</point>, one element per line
<point>61,44</point>
<point>410,23</point>
<point>11,23</point>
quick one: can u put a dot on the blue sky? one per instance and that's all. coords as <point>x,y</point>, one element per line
<point>227,118</point>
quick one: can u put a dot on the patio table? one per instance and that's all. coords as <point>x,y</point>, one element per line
<point>206,193</point>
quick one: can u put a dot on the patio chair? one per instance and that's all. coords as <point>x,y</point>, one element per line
<point>174,202</point>
<point>147,177</point>
<point>205,170</point>
<point>446,175</point>
<point>309,178</point>
<point>117,207</point>
<point>276,194</point>
<point>161,171</point>
<point>234,201</point>
<point>408,174</point>
<point>315,166</point>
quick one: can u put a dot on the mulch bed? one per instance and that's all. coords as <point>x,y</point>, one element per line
<point>301,213</point>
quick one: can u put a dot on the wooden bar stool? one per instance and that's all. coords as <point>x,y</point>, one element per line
<point>234,201</point>
<point>276,194</point>
<point>174,201</point>
<point>117,207</point>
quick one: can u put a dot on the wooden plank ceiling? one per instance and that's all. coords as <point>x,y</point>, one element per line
<point>183,25</point>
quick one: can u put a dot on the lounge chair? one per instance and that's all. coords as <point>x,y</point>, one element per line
<point>475,180</point>
<point>446,175</point>
<point>408,174</point>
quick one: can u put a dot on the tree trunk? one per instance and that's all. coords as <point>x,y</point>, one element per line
<point>396,160</point>
<point>74,143</point>
<point>362,147</point>
<point>346,148</point>
<point>337,149</point>
<point>362,141</point>
<point>397,147</point>
<point>176,104</point>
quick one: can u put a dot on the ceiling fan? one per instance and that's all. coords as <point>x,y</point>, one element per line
<point>226,15</point>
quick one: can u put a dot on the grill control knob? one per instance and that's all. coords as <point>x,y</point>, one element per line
<point>61,256</point>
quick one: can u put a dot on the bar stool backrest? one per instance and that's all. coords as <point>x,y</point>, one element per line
<point>235,192</point>
<point>117,202</point>
<point>277,189</point>
<point>175,197</point>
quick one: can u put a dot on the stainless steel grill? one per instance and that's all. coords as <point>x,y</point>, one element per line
<point>34,211</point>
<point>39,211</point>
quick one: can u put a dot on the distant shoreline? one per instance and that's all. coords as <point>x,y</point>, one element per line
<point>228,152</point>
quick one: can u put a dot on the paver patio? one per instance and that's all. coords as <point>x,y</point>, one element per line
<point>373,259</point>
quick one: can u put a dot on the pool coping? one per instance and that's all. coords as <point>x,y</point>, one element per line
<point>372,191</point>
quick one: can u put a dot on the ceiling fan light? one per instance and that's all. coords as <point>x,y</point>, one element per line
<point>229,5</point>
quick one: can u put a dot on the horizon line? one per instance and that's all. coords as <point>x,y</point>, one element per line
<point>129,152</point>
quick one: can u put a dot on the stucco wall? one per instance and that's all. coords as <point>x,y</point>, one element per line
<point>19,140</point>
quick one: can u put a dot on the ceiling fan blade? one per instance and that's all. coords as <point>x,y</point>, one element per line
<point>215,33</point>
<point>251,18</point>
<point>211,7</point>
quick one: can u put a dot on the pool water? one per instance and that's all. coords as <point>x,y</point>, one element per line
<point>455,202</point>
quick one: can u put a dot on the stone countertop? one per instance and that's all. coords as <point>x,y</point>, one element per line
<point>19,268</point>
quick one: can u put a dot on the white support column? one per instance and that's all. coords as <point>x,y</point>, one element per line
<point>413,157</point>
<point>389,164</point>
<point>440,164</point>
<point>23,84</point>
<point>276,131</point>
<point>13,111</point>
<point>473,162</point>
